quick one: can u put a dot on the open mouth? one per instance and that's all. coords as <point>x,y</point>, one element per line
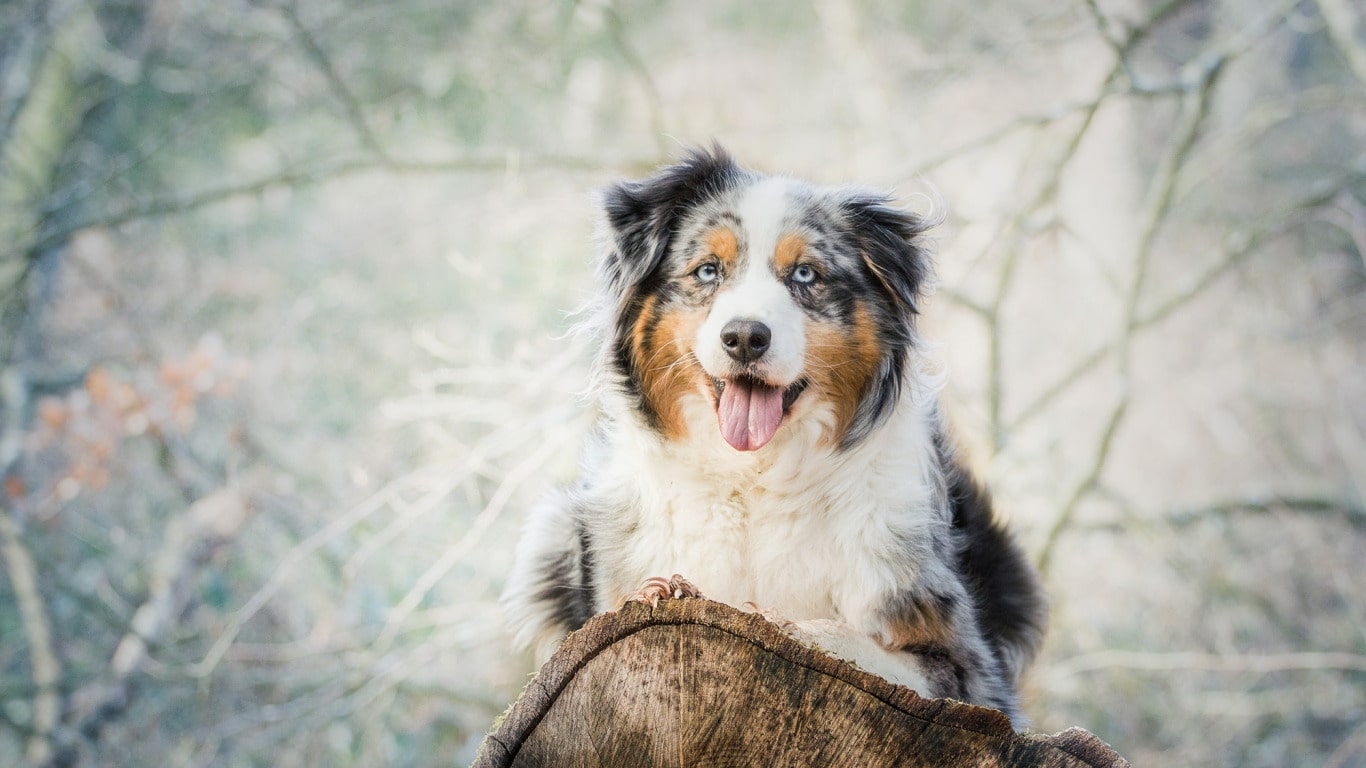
<point>750,410</point>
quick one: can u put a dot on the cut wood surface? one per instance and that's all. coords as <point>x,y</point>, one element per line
<point>693,682</point>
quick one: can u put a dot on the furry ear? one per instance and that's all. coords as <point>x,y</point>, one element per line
<point>642,216</point>
<point>890,243</point>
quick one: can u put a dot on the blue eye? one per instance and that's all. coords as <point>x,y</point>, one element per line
<point>804,274</point>
<point>707,273</point>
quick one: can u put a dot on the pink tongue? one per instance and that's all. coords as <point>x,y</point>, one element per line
<point>749,413</point>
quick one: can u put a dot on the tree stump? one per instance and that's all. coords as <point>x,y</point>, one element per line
<point>694,682</point>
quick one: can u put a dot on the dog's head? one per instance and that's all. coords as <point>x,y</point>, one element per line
<point>763,296</point>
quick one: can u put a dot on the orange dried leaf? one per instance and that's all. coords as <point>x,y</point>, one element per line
<point>172,373</point>
<point>15,488</point>
<point>52,412</point>
<point>99,384</point>
<point>126,398</point>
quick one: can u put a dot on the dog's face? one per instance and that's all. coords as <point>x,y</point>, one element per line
<point>765,297</point>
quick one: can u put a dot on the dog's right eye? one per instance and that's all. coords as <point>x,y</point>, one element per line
<point>707,273</point>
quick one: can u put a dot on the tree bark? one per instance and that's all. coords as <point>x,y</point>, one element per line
<point>693,682</point>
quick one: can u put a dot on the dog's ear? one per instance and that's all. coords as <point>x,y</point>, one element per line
<point>642,216</point>
<point>890,243</point>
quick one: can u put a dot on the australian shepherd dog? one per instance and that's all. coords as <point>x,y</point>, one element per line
<point>769,432</point>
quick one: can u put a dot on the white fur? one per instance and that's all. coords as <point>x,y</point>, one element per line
<point>757,293</point>
<point>796,527</point>
<point>842,641</point>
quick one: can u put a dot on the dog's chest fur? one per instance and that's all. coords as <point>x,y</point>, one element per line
<point>804,530</point>
<point>770,436</point>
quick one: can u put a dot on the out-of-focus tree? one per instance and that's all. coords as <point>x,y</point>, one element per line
<point>278,284</point>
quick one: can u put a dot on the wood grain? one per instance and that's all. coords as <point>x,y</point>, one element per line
<point>693,682</point>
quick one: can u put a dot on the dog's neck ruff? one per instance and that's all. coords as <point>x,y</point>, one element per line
<point>840,516</point>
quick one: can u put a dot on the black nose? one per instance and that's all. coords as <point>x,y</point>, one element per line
<point>746,340</point>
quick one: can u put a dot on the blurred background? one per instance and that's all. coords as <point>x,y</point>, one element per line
<point>284,289</point>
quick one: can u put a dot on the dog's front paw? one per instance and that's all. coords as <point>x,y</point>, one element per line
<point>843,641</point>
<point>770,615</point>
<point>658,588</point>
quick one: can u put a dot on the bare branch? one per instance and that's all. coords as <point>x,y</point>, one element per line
<point>1005,280</point>
<point>1238,247</point>
<point>1321,507</point>
<point>1158,15</point>
<point>206,666</point>
<point>1106,28</point>
<point>189,542</point>
<point>1195,108</point>
<point>47,670</point>
<point>1053,179</point>
<point>1353,514</point>
<point>1209,662</point>
<point>655,102</point>
<point>354,113</point>
<point>1085,487</point>
<point>23,577</point>
<point>312,176</point>
<point>966,302</point>
<point>1342,23</point>
<point>453,555</point>
<point>1035,120</point>
<point>1354,744</point>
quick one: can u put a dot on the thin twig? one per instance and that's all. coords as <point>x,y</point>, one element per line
<point>312,176</point>
<point>1209,662</point>
<point>1005,279</point>
<point>1342,23</point>
<point>1353,514</point>
<point>354,113</point>
<point>1106,28</point>
<point>1240,247</point>
<point>654,102</point>
<point>206,666</point>
<point>1195,108</point>
<point>46,669</point>
<point>1085,487</point>
<point>453,555</point>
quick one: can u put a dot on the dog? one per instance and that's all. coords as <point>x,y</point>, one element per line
<point>768,430</point>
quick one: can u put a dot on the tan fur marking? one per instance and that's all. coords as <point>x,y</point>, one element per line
<point>923,627</point>
<point>841,362</point>
<point>722,243</point>
<point>790,248</point>
<point>638,340</point>
<point>927,631</point>
<point>668,368</point>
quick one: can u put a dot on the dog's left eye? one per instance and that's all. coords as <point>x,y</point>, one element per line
<point>804,274</point>
<point>707,273</point>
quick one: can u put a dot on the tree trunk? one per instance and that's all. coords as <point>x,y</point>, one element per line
<point>693,682</point>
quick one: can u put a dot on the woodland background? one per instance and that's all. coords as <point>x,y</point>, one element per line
<point>283,294</point>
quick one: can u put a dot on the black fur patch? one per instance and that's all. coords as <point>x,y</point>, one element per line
<point>946,677</point>
<point>568,586</point>
<point>644,218</point>
<point>889,239</point>
<point>644,215</point>
<point>1011,608</point>
<point>897,265</point>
